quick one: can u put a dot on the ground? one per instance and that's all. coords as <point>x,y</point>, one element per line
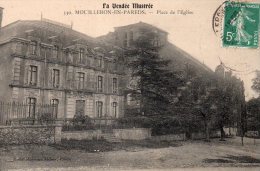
<point>80,155</point>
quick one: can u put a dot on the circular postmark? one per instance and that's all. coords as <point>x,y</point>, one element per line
<point>218,19</point>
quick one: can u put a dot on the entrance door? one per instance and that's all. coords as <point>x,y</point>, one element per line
<point>80,107</point>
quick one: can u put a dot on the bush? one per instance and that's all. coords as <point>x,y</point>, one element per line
<point>78,123</point>
<point>167,125</point>
<point>81,120</point>
<point>46,118</point>
<point>135,122</point>
<point>159,125</point>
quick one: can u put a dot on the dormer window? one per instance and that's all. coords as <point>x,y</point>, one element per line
<point>55,51</point>
<point>33,47</point>
<point>81,55</point>
<point>125,40</point>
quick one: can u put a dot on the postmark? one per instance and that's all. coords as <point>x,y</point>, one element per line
<point>241,25</point>
<point>217,20</point>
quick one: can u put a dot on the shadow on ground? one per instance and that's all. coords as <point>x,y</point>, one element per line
<point>233,159</point>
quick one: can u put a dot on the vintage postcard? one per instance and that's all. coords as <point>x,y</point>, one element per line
<point>129,85</point>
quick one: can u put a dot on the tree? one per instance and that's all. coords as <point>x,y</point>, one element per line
<point>197,102</point>
<point>253,118</point>
<point>154,83</point>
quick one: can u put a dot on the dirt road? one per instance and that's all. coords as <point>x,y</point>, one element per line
<point>188,154</point>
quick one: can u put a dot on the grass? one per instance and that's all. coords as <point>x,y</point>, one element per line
<point>103,146</point>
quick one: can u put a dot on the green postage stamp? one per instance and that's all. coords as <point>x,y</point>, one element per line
<point>241,25</point>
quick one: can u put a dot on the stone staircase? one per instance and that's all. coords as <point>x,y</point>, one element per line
<point>110,138</point>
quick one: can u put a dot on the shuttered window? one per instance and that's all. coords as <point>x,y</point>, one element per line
<point>32,75</point>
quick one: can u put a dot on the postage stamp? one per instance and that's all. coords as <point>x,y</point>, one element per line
<point>241,25</point>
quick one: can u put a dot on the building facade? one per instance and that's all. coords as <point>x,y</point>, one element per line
<point>44,62</point>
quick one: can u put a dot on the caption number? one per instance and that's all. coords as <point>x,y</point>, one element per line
<point>67,12</point>
<point>229,36</point>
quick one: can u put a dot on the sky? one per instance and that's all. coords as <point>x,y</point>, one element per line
<point>193,32</point>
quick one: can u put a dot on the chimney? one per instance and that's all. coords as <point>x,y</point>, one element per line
<point>1,16</point>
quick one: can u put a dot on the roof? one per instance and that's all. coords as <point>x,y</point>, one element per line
<point>140,24</point>
<point>19,27</point>
<point>170,51</point>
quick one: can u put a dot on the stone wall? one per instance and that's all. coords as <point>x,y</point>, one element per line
<point>132,134</point>
<point>30,134</point>
<point>123,134</point>
<point>82,135</point>
<point>170,137</point>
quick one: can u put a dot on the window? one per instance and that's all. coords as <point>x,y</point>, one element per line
<point>54,104</point>
<point>56,78</point>
<point>81,55</point>
<point>156,41</point>
<point>44,52</point>
<point>114,105</point>
<point>114,85</point>
<point>129,99</point>
<point>80,80</point>
<point>33,75</point>
<point>80,107</point>
<point>100,62</point>
<point>55,52</point>
<point>100,84</point>
<point>31,102</point>
<point>125,40</point>
<point>99,107</point>
<point>33,47</point>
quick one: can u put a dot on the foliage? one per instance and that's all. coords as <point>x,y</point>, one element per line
<point>154,82</point>
<point>253,118</point>
<point>46,118</point>
<point>78,122</point>
<point>81,120</point>
<point>167,125</point>
<point>159,125</point>
<point>209,101</point>
<point>135,122</point>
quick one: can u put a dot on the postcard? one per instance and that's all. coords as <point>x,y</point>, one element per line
<point>129,85</point>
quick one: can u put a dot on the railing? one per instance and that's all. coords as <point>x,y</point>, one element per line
<point>22,113</point>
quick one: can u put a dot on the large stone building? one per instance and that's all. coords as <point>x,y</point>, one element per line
<point>45,62</point>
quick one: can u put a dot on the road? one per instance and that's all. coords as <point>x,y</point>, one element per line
<point>189,154</point>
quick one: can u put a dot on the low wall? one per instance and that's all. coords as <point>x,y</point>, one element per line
<point>82,135</point>
<point>201,135</point>
<point>132,133</point>
<point>30,134</point>
<point>170,137</point>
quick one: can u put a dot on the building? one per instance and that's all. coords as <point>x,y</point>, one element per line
<point>123,37</point>
<point>46,62</point>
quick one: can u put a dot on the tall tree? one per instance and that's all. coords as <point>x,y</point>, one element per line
<point>154,83</point>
